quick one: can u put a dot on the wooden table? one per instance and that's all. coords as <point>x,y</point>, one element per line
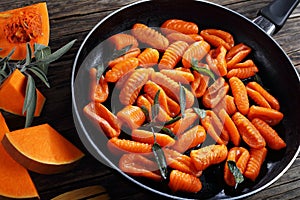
<point>72,19</point>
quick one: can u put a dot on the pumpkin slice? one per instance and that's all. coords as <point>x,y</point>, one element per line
<point>22,25</point>
<point>15,181</point>
<point>41,149</point>
<point>12,94</point>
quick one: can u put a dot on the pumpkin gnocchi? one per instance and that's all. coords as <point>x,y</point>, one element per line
<point>185,106</point>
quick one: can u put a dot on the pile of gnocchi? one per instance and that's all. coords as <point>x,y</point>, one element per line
<point>178,88</point>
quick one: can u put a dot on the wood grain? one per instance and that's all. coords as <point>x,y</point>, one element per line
<point>73,19</point>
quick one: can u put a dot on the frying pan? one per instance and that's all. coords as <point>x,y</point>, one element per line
<point>276,71</point>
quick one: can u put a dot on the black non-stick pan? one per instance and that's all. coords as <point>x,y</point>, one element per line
<point>275,69</point>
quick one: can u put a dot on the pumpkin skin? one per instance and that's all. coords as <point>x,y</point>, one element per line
<point>22,25</point>
<point>15,181</point>
<point>41,149</point>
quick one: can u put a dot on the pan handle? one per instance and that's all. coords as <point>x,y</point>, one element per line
<point>275,15</point>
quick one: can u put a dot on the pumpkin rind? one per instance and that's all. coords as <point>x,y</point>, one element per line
<point>42,149</point>
<point>15,182</point>
<point>22,25</point>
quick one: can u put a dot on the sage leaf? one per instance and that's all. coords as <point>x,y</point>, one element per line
<point>3,73</point>
<point>3,68</point>
<point>41,52</point>
<point>182,100</point>
<point>258,79</point>
<point>169,133</point>
<point>30,90</point>
<point>30,111</point>
<point>28,54</point>
<point>154,111</point>
<point>56,55</point>
<point>100,70</point>
<point>121,52</point>
<point>160,160</point>
<point>7,58</point>
<point>40,74</point>
<point>156,97</point>
<point>29,101</point>
<point>238,177</point>
<point>146,112</point>
<point>202,70</point>
<point>159,157</point>
<point>171,121</point>
<point>155,107</point>
<point>200,112</point>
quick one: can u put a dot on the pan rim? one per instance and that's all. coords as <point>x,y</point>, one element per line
<point>91,142</point>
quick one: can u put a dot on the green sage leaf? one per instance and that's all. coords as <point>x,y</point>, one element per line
<point>155,100</point>
<point>238,177</point>
<point>28,54</point>
<point>160,160</point>
<point>169,133</point>
<point>121,52</point>
<point>200,112</point>
<point>258,79</point>
<point>29,101</point>
<point>56,55</point>
<point>146,112</point>
<point>155,107</point>
<point>182,100</point>
<point>173,120</point>
<point>159,157</point>
<point>3,73</point>
<point>7,58</point>
<point>3,68</point>
<point>154,111</point>
<point>41,52</point>
<point>100,70</point>
<point>30,112</point>
<point>202,70</point>
<point>40,74</point>
<point>30,90</point>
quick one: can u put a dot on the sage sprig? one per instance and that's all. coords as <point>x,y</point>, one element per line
<point>238,177</point>
<point>202,70</point>
<point>37,66</point>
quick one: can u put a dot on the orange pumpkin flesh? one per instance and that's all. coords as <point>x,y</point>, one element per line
<point>41,149</point>
<point>12,94</point>
<point>22,25</point>
<point>15,181</point>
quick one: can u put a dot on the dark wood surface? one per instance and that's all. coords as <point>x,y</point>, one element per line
<point>73,19</point>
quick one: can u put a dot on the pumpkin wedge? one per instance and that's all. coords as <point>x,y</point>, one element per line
<point>15,181</point>
<point>41,149</point>
<point>12,94</point>
<point>22,25</point>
